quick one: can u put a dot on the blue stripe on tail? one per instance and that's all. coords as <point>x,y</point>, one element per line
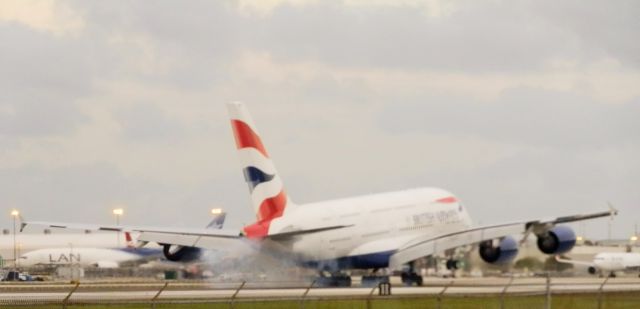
<point>255,176</point>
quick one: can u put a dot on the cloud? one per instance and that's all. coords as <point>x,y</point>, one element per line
<point>54,17</point>
<point>603,27</point>
<point>485,37</point>
<point>432,8</point>
<point>154,44</point>
<point>386,94</point>
<point>521,116</point>
<point>30,119</point>
<point>144,122</point>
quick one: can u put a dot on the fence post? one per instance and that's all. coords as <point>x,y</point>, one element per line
<point>153,300</point>
<point>504,291</point>
<point>304,295</point>
<point>547,300</point>
<point>66,299</point>
<point>439,298</point>
<point>233,297</point>
<point>600,291</point>
<point>371,294</point>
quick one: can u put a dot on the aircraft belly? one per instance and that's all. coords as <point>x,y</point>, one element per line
<point>364,261</point>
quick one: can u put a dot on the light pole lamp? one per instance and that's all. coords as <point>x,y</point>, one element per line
<point>14,214</point>
<point>118,213</point>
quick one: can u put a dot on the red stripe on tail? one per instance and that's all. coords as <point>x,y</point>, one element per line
<point>246,138</point>
<point>257,230</point>
<point>270,209</point>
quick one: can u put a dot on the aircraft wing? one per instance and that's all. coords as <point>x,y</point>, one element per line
<point>204,237</point>
<point>188,240</point>
<point>208,242</point>
<point>427,245</point>
<point>198,232</point>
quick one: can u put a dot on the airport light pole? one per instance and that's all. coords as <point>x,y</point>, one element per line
<point>216,211</point>
<point>14,213</point>
<point>118,213</point>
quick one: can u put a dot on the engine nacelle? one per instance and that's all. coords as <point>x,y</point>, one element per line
<point>180,253</point>
<point>504,252</point>
<point>592,270</point>
<point>557,240</point>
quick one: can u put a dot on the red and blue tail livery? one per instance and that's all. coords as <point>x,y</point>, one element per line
<point>268,197</point>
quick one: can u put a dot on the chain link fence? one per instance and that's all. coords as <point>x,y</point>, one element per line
<point>496,293</point>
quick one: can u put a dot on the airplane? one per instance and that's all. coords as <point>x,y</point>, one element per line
<point>113,257</point>
<point>608,262</point>
<point>89,257</point>
<point>372,232</point>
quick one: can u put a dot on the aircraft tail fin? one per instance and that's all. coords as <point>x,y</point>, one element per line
<point>129,240</point>
<point>217,222</point>
<point>268,196</point>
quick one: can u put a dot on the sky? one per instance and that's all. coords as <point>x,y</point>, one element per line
<point>523,109</point>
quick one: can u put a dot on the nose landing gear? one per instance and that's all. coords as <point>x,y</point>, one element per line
<point>373,279</point>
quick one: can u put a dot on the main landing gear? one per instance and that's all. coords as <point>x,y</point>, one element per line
<point>452,264</point>
<point>410,276</point>
<point>373,279</point>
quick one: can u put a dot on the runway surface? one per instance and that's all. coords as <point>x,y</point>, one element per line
<point>221,291</point>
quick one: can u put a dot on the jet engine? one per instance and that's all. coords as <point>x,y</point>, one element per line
<point>499,251</point>
<point>557,240</point>
<point>180,253</point>
<point>592,270</point>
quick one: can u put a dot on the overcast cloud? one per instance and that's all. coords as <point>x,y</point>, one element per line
<point>524,109</point>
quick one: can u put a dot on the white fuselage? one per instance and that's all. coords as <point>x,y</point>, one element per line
<point>97,257</point>
<point>376,224</point>
<point>610,261</point>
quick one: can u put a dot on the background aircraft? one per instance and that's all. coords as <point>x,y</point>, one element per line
<point>103,257</point>
<point>387,230</point>
<point>89,256</point>
<point>609,262</point>
<point>27,242</point>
